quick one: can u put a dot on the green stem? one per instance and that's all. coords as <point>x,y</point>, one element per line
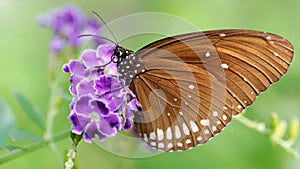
<point>261,128</point>
<point>50,120</point>
<point>54,103</point>
<point>34,147</point>
<point>286,146</point>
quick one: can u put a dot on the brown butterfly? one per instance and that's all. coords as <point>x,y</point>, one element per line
<point>191,85</point>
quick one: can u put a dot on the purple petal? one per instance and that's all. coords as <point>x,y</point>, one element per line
<point>67,23</point>
<point>111,69</point>
<point>57,44</point>
<point>73,39</point>
<point>127,124</point>
<point>100,108</point>
<point>101,136</point>
<point>106,84</point>
<point>92,26</point>
<point>114,121</point>
<point>74,80</point>
<point>90,131</point>
<point>82,106</point>
<point>129,113</point>
<point>105,53</point>
<point>85,87</point>
<point>109,125</point>
<point>113,100</point>
<point>76,127</point>
<point>78,68</point>
<point>67,15</point>
<point>78,122</point>
<point>133,105</point>
<point>89,58</point>
<point>66,68</point>
<point>44,19</point>
<point>86,138</point>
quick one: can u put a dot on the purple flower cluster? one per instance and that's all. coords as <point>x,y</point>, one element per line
<point>101,105</point>
<point>67,23</point>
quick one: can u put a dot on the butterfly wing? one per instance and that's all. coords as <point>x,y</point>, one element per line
<point>192,84</point>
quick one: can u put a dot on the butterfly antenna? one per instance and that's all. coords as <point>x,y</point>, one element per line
<point>96,36</point>
<point>116,41</point>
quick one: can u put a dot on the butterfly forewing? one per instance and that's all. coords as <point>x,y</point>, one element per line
<point>192,84</point>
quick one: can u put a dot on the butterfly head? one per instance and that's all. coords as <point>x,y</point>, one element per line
<point>127,63</point>
<point>121,53</point>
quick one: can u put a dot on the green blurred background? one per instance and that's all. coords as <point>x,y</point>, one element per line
<point>23,67</point>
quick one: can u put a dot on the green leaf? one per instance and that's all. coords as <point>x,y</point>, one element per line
<point>21,135</point>
<point>7,123</point>
<point>31,111</point>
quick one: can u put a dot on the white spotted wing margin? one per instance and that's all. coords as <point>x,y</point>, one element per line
<point>194,83</point>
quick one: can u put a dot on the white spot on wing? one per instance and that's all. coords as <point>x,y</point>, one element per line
<point>269,37</point>
<point>145,137</point>
<point>239,106</point>
<point>199,138</point>
<point>224,117</point>
<point>194,126</point>
<point>160,134</point>
<point>179,144</point>
<point>161,145</point>
<point>169,133</point>
<point>206,131</point>
<point>170,145</point>
<point>204,122</point>
<point>153,143</point>
<point>214,128</point>
<point>185,129</point>
<point>177,132</point>
<point>152,135</point>
<point>207,54</point>
<point>215,113</point>
<point>191,87</point>
<point>181,113</point>
<point>188,141</point>
<point>276,54</point>
<point>222,34</point>
<point>224,65</point>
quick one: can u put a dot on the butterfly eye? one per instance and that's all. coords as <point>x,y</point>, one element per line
<point>117,51</point>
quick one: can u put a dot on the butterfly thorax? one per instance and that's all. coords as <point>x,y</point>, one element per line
<point>128,64</point>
